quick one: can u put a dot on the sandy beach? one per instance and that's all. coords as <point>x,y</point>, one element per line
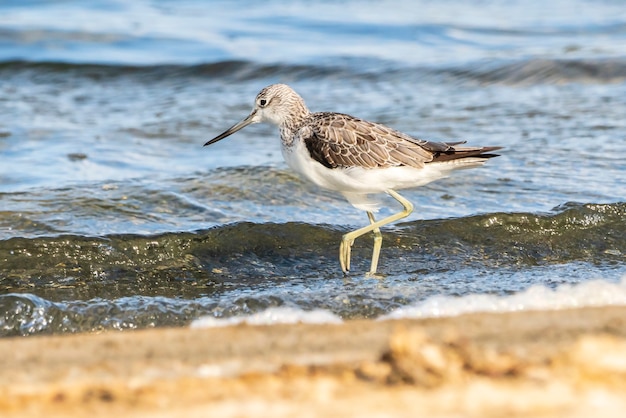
<point>569,363</point>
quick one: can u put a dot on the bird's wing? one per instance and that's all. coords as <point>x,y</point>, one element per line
<point>338,140</point>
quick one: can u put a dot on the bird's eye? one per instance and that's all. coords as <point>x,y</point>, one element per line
<point>262,102</point>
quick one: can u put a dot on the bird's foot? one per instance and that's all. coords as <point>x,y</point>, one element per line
<point>345,250</point>
<point>375,275</point>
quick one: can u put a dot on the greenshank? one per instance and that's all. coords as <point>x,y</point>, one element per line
<point>356,157</point>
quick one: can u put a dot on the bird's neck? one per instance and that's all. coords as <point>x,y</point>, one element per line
<point>290,126</point>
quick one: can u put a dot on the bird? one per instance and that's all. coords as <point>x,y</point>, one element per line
<point>355,157</point>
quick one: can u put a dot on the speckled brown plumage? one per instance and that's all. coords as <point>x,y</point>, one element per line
<point>339,140</point>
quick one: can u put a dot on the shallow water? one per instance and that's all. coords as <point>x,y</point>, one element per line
<point>113,215</point>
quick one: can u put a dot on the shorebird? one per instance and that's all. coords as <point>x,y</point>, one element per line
<point>356,157</point>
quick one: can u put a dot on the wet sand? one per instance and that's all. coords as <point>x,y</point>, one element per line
<point>537,364</point>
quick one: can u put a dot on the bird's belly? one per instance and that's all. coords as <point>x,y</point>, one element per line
<point>357,179</point>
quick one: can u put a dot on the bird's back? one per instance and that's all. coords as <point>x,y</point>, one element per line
<point>337,140</point>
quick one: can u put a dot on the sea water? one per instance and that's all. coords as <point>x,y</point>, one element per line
<point>113,215</point>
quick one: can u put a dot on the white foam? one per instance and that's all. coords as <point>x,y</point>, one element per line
<point>271,316</point>
<point>587,294</point>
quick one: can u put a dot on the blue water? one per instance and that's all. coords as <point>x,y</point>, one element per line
<point>113,215</point>
<point>287,32</point>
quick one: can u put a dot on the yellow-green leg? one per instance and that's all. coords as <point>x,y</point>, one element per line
<point>345,248</point>
<point>378,242</point>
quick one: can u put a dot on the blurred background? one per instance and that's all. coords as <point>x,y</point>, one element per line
<point>113,215</point>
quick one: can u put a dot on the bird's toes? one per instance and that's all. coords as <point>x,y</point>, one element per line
<point>344,254</point>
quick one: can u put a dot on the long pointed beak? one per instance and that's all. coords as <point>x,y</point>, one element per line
<point>247,121</point>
